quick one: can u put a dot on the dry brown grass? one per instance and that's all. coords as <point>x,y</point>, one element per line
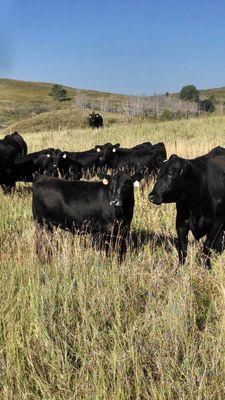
<point>81,327</point>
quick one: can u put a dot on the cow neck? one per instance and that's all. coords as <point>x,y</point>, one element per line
<point>197,192</point>
<point>194,193</point>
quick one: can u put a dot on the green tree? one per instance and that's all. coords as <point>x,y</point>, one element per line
<point>189,93</point>
<point>59,93</point>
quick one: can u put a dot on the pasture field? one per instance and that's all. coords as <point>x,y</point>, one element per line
<point>83,327</point>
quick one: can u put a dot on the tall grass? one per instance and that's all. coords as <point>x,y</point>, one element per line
<point>83,327</point>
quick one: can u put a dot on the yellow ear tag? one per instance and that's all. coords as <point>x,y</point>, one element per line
<point>105,181</point>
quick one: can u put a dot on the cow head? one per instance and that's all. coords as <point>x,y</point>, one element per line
<point>120,188</point>
<point>63,166</point>
<point>106,154</point>
<point>44,162</point>
<point>172,181</point>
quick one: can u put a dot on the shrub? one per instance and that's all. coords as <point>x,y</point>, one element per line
<point>167,115</point>
<point>59,93</point>
<point>189,93</point>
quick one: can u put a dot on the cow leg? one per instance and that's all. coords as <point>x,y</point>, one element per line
<point>44,236</point>
<point>213,241</point>
<point>182,227</point>
<point>122,249</point>
<point>122,237</point>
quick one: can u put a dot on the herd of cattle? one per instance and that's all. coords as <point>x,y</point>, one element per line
<point>105,208</point>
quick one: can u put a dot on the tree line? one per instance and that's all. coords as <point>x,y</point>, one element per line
<point>167,106</point>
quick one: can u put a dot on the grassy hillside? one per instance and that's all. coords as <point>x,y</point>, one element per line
<point>27,106</point>
<point>218,93</point>
<point>20,100</point>
<point>60,119</point>
<point>79,326</point>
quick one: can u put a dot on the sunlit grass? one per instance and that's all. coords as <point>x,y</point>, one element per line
<point>83,327</point>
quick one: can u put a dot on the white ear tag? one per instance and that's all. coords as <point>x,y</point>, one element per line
<point>64,155</point>
<point>114,150</point>
<point>105,181</point>
<point>136,184</point>
<point>48,155</point>
<point>164,160</point>
<point>98,150</point>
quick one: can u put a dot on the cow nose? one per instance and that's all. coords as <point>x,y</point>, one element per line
<point>151,196</point>
<point>116,203</point>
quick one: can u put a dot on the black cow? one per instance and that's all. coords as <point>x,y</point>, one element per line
<point>16,140</point>
<point>31,164</point>
<point>101,208</point>
<point>10,146</point>
<point>64,166</point>
<point>88,160</point>
<point>95,120</point>
<point>145,157</point>
<point>198,188</point>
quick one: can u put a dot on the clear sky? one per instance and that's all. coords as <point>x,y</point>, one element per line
<point>123,46</point>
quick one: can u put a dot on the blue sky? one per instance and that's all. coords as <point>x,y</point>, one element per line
<point>133,47</point>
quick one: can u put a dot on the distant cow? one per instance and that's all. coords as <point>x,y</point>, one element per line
<point>197,187</point>
<point>101,208</point>
<point>95,120</point>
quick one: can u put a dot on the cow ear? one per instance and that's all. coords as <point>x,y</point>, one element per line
<point>173,157</point>
<point>160,161</point>
<point>115,147</point>
<point>136,178</point>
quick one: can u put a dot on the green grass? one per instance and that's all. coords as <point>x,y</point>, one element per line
<point>83,327</point>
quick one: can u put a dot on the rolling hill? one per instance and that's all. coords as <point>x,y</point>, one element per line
<point>27,106</point>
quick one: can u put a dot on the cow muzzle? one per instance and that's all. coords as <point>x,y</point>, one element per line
<point>154,198</point>
<point>116,203</point>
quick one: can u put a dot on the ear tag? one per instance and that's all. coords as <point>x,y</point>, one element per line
<point>48,155</point>
<point>136,184</point>
<point>164,160</point>
<point>114,150</point>
<point>105,181</point>
<point>98,150</point>
<point>64,155</point>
